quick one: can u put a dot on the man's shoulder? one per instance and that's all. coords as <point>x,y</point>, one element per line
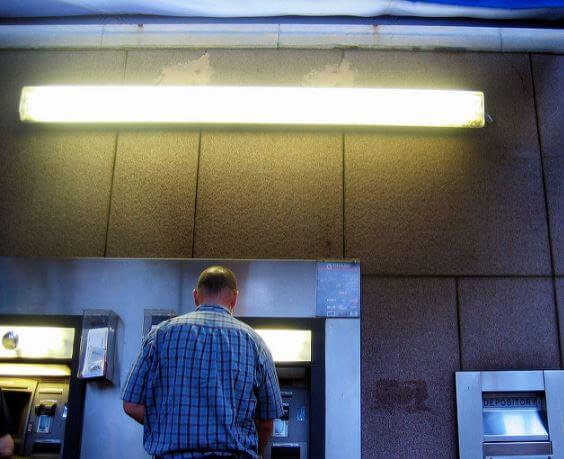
<point>203,318</point>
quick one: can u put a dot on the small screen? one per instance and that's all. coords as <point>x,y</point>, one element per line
<point>287,345</point>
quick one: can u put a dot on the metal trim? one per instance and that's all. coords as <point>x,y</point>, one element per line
<point>521,448</point>
<point>554,396</point>
<point>515,438</point>
<point>280,35</point>
<point>512,381</point>
<point>342,389</point>
<point>469,414</point>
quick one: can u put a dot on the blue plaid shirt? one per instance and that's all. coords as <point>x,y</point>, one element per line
<point>203,378</point>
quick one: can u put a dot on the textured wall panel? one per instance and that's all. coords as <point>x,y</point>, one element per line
<point>508,324</point>
<point>409,356</point>
<point>448,202</point>
<point>153,198</point>
<point>269,194</point>
<point>548,73</point>
<point>54,181</point>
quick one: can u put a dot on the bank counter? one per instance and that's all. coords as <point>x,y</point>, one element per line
<point>38,364</point>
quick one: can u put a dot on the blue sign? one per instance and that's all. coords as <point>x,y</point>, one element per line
<point>338,289</point>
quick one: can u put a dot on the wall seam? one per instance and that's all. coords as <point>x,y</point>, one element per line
<point>116,140</point>
<point>196,191</point>
<point>547,211</point>
<point>111,194</point>
<point>459,325</point>
<point>344,208</point>
<point>460,367</point>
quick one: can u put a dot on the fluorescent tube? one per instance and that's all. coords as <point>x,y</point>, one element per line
<point>204,105</point>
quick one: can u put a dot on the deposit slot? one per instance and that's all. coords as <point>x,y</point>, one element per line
<point>513,414</point>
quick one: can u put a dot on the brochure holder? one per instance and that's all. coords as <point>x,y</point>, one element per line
<point>97,344</point>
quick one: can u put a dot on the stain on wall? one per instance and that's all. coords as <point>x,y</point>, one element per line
<point>393,394</point>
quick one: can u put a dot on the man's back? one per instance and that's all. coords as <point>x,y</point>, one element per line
<point>204,377</point>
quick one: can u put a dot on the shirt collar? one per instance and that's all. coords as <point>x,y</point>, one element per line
<point>214,308</point>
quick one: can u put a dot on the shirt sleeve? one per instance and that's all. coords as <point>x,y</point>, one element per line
<point>269,399</point>
<point>136,383</point>
<point>5,421</point>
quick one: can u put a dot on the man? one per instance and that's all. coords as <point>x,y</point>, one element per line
<point>204,384</point>
<point>6,441</point>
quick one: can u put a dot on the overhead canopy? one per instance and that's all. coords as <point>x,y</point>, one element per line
<point>485,9</point>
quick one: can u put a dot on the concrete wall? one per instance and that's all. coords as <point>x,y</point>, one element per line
<point>461,233</point>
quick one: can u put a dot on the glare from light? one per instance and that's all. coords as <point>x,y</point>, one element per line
<point>205,105</point>
<point>288,345</point>
<point>33,369</point>
<point>39,342</point>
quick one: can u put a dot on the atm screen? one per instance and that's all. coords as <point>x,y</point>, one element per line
<point>17,402</point>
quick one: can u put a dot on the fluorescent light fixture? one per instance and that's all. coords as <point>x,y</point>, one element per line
<point>33,369</point>
<point>205,105</point>
<point>288,345</point>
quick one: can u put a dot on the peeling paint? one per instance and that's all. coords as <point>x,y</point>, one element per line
<point>342,74</point>
<point>195,72</point>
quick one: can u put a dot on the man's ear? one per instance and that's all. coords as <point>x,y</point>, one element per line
<point>234,298</point>
<point>196,298</point>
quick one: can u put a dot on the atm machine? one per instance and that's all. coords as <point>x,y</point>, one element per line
<point>510,414</point>
<point>297,347</point>
<point>38,367</point>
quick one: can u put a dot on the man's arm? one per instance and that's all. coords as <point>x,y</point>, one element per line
<point>133,395</point>
<point>269,399</point>
<point>264,430</point>
<point>135,411</point>
<point>6,446</point>
<point>6,440</point>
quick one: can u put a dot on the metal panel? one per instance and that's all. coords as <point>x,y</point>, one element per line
<point>469,414</point>
<point>554,383</point>
<point>519,449</point>
<point>512,381</point>
<point>342,388</point>
<point>47,285</point>
<point>274,288</point>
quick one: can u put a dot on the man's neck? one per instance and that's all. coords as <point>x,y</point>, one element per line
<point>213,304</point>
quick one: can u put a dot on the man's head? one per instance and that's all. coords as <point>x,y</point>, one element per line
<point>216,285</point>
